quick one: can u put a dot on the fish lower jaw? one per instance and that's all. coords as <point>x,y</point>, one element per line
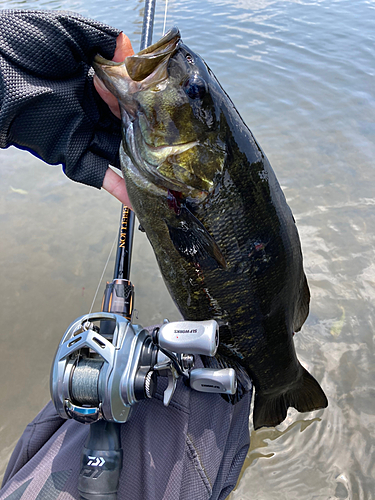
<point>145,168</point>
<point>146,176</point>
<point>155,159</point>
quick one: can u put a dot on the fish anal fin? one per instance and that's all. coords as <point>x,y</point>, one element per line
<point>192,240</point>
<point>302,309</point>
<point>305,396</point>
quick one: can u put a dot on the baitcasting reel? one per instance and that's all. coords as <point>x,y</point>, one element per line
<point>105,364</point>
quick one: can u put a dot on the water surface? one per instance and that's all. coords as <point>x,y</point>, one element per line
<point>301,74</point>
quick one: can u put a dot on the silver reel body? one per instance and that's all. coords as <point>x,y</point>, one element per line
<point>101,376</point>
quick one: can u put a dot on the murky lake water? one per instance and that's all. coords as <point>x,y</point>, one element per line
<point>301,74</point>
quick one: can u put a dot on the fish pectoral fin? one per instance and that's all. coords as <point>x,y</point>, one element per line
<point>307,395</point>
<point>192,240</point>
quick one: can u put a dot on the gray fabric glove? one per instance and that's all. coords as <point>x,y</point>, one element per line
<point>48,104</point>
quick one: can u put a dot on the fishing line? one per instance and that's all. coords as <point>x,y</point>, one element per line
<point>165,16</point>
<point>101,277</point>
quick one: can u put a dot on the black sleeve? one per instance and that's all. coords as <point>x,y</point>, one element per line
<point>48,104</point>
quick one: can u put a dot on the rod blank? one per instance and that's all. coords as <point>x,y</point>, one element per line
<point>148,23</point>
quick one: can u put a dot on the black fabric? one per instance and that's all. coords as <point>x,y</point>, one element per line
<point>191,450</point>
<point>48,104</point>
<point>37,432</point>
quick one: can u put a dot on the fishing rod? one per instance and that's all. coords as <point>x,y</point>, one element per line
<point>126,231</point>
<point>104,439</point>
<point>104,364</point>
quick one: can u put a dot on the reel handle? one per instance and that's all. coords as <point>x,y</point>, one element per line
<point>218,381</point>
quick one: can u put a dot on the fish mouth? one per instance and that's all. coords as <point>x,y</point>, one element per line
<point>141,70</point>
<point>143,64</point>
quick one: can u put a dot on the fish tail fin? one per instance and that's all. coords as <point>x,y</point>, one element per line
<point>270,411</point>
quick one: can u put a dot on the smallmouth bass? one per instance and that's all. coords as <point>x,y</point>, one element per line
<point>211,206</point>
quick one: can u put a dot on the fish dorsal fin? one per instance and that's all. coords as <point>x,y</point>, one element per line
<point>192,240</point>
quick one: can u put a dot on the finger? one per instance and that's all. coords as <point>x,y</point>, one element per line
<point>115,185</point>
<point>123,48</point>
<point>107,96</point>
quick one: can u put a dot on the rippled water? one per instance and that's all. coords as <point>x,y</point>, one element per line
<point>302,76</point>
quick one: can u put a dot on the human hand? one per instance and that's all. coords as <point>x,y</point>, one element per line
<point>48,103</point>
<point>123,50</point>
<point>112,182</point>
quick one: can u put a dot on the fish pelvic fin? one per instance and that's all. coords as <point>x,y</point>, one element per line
<point>270,411</point>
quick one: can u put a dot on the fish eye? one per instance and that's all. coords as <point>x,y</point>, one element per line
<point>195,87</point>
<point>189,59</point>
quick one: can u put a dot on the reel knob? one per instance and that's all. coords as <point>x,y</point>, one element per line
<point>223,381</point>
